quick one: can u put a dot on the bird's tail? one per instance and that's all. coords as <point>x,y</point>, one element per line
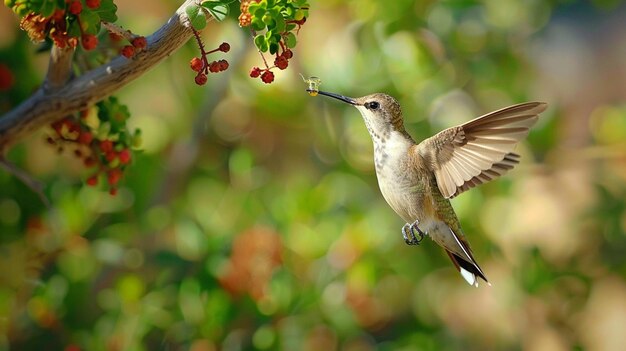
<point>467,266</point>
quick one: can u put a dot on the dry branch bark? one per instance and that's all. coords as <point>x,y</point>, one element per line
<point>60,97</point>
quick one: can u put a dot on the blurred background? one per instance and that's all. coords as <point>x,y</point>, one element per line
<point>252,219</point>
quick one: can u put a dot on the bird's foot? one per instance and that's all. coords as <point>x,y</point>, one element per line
<point>408,232</point>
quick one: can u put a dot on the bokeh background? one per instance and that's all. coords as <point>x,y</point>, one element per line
<point>252,219</point>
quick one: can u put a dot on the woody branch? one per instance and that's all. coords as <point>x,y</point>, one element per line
<point>61,96</point>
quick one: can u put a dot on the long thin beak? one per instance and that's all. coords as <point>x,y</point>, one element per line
<point>346,99</point>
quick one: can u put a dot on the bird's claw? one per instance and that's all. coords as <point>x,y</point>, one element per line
<point>408,232</point>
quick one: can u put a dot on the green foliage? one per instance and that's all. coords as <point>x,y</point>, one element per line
<point>278,19</point>
<point>196,16</point>
<point>218,9</point>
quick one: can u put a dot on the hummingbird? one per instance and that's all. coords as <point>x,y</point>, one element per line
<point>418,179</point>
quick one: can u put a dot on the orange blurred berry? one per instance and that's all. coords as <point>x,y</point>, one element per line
<point>93,180</point>
<point>124,156</point>
<point>93,4</point>
<point>76,7</point>
<point>114,176</point>
<point>6,78</point>
<point>89,41</point>
<point>106,146</point>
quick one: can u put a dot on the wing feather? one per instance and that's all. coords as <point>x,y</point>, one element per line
<point>480,150</point>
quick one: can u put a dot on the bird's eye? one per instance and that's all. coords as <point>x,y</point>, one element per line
<point>372,105</point>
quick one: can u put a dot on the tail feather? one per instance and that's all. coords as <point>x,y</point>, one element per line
<point>467,266</point>
<point>469,270</point>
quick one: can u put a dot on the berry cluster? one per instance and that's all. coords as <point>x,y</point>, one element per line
<point>136,44</point>
<point>281,62</point>
<point>201,64</point>
<point>102,143</point>
<point>118,37</point>
<point>66,23</point>
<point>280,20</point>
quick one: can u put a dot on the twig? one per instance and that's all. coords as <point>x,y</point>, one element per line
<point>26,178</point>
<point>59,68</point>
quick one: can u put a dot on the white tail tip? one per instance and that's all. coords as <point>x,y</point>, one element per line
<point>469,277</point>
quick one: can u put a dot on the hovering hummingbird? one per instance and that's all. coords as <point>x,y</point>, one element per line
<point>418,180</point>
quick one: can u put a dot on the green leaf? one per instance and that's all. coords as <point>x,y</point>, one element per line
<point>288,11</point>
<point>273,48</point>
<point>254,7</point>
<point>257,24</point>
<point>300,14</point>
<point>90,22</point>
<point>261,42</point>
<point>196,16</point>
<point>48,8</point>
<point>218,10</point>
<point>73,29</point>
<point>280,24</point>
<point>107,11</point>
<point>290,40</point>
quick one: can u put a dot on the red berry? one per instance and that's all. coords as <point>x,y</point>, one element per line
<point>223,65</point>
<point>89,162</point>
<point>58,15</point>
<point>6,78</point>
<point>113,191</point>
<point>288,54</point>
<point>110,156</point>
<point>201,79</point>
<point>89,41</point>
<point>267,77</point>
<point>128,51</point>
<point>72,127</point>
<point>214,67</point>
<point>124,156</point>
<point>114,176</point>
<point>196,64</point>
<point>76,7</point>
<point>106,146</point>
<point>140,42</point>
<point>85,138</point>
<point>93,180</point>
<point>255,72</point>
<point>281,62</point>
<point>93,4</point>
<point>224,47</point>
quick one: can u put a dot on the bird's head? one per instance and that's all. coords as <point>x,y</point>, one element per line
<point>381,112</point>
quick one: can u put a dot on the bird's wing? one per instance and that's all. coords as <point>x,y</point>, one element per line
<point>480,150</point>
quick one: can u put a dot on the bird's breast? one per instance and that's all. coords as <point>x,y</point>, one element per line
<point>404,184</point>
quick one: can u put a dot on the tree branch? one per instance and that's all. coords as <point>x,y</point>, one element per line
<point>47,105</point>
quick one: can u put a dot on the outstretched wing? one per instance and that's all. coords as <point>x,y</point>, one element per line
<point>480,150</point>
